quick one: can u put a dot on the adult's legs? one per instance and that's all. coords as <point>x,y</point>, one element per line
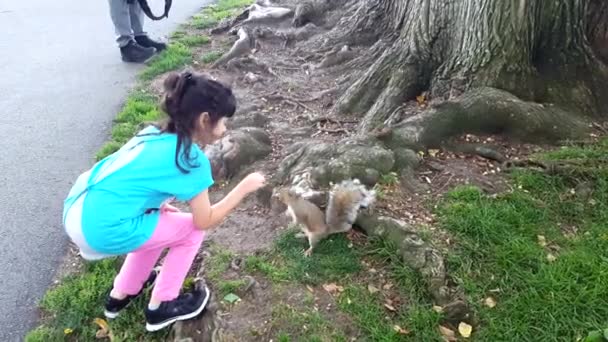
<point>123,20</point>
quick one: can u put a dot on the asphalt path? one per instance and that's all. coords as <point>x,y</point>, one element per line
<point>61,83</point>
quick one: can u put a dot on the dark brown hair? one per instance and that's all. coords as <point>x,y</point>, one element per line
<point>187,96</point>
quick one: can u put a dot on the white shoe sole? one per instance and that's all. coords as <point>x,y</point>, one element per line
<point>112,315</point>
<point>159,326</point>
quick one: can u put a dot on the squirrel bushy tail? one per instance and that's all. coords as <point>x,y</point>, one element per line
<point>345,200</point>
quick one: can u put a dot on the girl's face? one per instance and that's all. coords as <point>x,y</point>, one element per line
<point>209,133</point>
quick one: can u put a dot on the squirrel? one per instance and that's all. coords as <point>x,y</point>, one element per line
<point>345,200</point>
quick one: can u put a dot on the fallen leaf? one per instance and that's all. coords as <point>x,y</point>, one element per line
<point>551,257</point>
<point>541,240</point>
<point>67,331</point>
<point>433,153</point>
<point>387,286</point>
<point>390,307</point>
<point>490,302</point>
<point>104,329</point>
<point>310,288</point>
<point>232,298</point>
<point>465,330</point>
<point>420,99</point>
<point>437,308</point>
<point>447,333</point>
<point>372,289</point>
<point>333,288</point>
<point>400,330</point>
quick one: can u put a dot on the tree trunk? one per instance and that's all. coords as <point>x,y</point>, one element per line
<point>548,52</point>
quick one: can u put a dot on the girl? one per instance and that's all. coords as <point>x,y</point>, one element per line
<point>120,205</point>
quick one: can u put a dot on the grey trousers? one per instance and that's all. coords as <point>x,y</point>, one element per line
<point>128,20</point>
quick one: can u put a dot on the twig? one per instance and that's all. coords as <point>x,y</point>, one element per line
<point>600,127</point>
<point>328,130</point>
<point>337,130</point>
<point>288,99</point>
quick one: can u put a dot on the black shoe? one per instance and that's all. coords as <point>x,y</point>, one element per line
<point>145,41</point>
<point>135,53</point>
<point>113,305</point>
<point>184,307</point>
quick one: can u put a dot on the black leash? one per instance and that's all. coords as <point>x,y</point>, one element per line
<point>148,12</point>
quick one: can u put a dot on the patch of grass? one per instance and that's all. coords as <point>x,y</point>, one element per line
<point>192,41</point>
<point>213,14</point>
<point>499,248</point>
<point>139,108</point>
<point>230,286</point>
<point>218,262</point>
<point>203,23</point>
<point>174,57</point>
<point>178,34</point>
<point>47,334</point>
<point>303,325</point>
<point>73,305</point>
<point>370,314</point>
<point>211,57</point>
<point>224,5</point>
<point>333,259</point>
<point>389,179</point>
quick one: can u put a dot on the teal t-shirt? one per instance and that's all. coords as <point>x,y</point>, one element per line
<point>121,189</point>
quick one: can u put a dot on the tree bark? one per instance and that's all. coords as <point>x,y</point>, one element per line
<point>549,52</point>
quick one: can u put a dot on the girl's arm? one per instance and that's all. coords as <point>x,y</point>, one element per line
<point>206,215</point>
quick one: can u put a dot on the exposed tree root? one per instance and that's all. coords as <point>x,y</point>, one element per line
<point>336,57</point>
<point>259,14</point>
<point>572,169</point>
<point>486,111</point>
<point>280,97</point>
<point>251,63</point>
<point>241,47</point>
<point>481,150</point>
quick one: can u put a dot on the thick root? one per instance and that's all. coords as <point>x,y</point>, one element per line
<point>486,111</point>
<point>241,47</point>
<point>337,56</point>
<point>258,14</point>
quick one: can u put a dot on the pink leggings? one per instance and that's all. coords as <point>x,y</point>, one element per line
<point>175,231</point>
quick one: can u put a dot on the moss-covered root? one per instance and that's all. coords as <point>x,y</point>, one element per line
<point>416,253</point>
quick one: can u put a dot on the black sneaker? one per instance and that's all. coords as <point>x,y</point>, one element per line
<point>135,53</point>
<point>184,307</point>
<point>113,305</point>
<point>145,41</point>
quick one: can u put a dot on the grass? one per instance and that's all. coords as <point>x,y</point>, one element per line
<point>75,303</point>
<point>308,325</point>
<point>500,248</point>
<point>175,56</point>
<point>211,57</point>
<point>332,260</point>
<point>140,108</point>
<point>192,41</point>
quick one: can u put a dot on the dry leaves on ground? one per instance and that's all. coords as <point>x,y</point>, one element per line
<point>332,288</point>
<point>465,329</point>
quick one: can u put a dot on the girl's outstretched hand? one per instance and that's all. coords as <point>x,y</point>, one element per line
<point>253,182</point>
